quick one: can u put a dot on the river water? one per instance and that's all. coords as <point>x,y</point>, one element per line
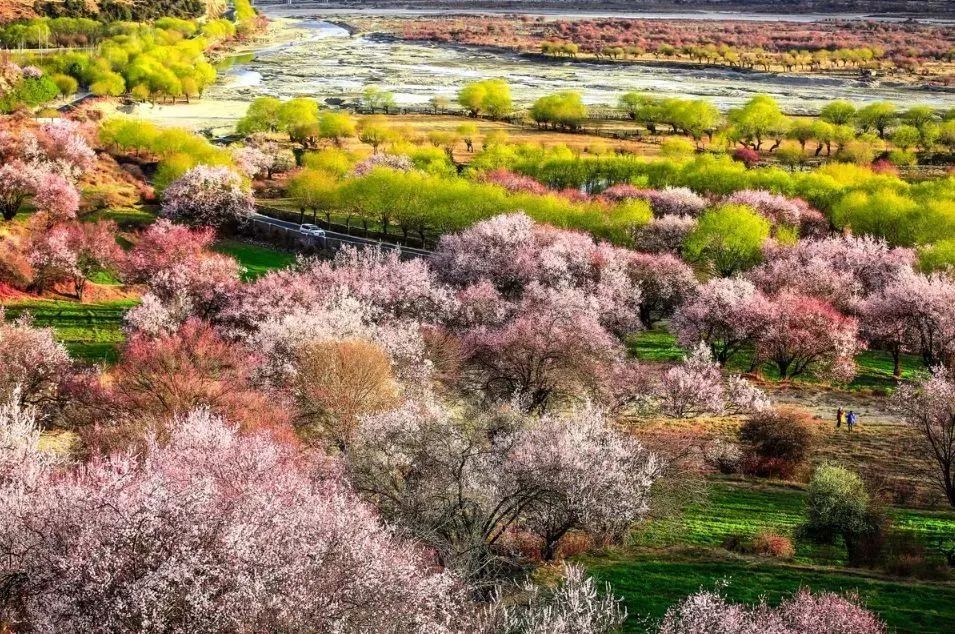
<point>319,59</point>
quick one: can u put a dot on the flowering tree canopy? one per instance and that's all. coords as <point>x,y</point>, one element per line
<point>178,269</point>
<point>18,181</point>
<point>665,282</point>
<point>930,409</point>
<point>238,532</point>
<point>208,196</point>
<point>513,253</point>
<point>57,197</point>
<point>168,375</point>
<point>664,234</point>
<point>841,270</point>
<point>462,479</point>
<point>32,363</point>
<point>397,162</point>
<point>800,333</point>
<point>696,387</point>
<point>726,314</point>
<point>916,311</point>
<point>803,613</point>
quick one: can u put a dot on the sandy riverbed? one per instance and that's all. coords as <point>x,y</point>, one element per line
<point>318,59</point>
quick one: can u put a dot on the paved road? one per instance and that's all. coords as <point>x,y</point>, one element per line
<point>343,237</point>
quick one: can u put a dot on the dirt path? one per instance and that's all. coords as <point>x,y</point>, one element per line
<point>872,410</point>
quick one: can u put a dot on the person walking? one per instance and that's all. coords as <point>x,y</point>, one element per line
<point>850,420</point>
<point>840,413</point>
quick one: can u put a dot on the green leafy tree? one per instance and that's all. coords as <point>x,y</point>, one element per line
<point>644,109</point>
<point>838,112</point>
<point>467,132</point>
<point>919,116</point>
<point>728,239</point>
<point>300,111</point>
<point>877,116</point>
<point>565,110</point>
<point>698,117</point>
<point>261,116</point>
<point>65,84</point>
<point>489,96</point>
<point>314,190</point>
<point>802,132</point>
<point>906,137</point>
<point>759,119</point>
<point>336,126</point>
<point>374,131</point>
<point>838,505</point>
<point>375,99</point>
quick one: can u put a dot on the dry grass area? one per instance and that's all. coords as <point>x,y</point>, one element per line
<point>882,450</point>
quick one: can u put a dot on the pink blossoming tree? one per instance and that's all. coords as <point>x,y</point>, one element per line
<point>665,282</point>
<point>929,408</point>
<point>665,234</point>
<point>803,613</point>
<point>915,312</point>
<point>207,196</point>
<point>18,181</point>
<point>726,314</point>
<point>236,532</point>
<point>801,333</point>
<point>502,468</point>
<point>181,271</point>
<point>33,364</point>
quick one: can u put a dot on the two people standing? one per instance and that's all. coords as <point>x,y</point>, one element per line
<point>849,418</point>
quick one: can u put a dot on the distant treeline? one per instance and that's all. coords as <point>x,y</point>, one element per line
<point>923,8</point>
<point>111,10</point>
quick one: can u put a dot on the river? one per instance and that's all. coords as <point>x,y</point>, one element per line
<point>314,58</point>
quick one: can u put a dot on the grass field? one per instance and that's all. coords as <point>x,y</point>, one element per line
<point>650,582</point>
<point>257,260</point>
<point>670,558</point>
<point>91,332</point>
<point>745,509</point>
<point>126,218</point>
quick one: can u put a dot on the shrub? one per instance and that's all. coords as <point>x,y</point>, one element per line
<point>803,613</point>
<point>773,545</point>
<point>746,156</point>
<point>777,441</point>
<point>728,239</point>
<point>723,456</point>
<point>838,505</point>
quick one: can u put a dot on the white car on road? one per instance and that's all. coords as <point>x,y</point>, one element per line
<point>312,231</point>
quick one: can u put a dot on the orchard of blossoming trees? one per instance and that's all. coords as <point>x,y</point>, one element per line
<point>829,45</point>
<point>431,429</point>
<point>518,316</point>
<point>363,441</point>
